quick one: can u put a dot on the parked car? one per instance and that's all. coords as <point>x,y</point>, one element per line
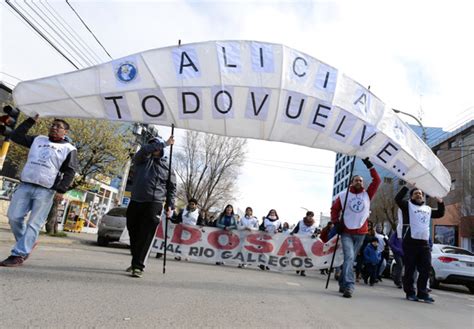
<point>111,226</point>
<point>452,265</point>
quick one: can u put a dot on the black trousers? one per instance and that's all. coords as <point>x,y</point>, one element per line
<point>372,272</point>
<point>416,257</point>
<point>142,220</point>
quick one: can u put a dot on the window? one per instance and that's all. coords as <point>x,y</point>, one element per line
<point>387,180</point>
<point>446,234</point>
<point>453,184</point>
<point>456,251</point>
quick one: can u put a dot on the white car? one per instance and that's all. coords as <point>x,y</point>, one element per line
<point>452,265</point>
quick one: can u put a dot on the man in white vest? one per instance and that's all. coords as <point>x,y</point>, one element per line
<point>47,175</point>
<point>416,241</point>
<point>352,224</point>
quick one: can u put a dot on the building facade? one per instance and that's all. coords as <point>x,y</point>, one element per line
<point>456,152</point>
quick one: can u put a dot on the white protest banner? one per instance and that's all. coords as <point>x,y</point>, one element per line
<point>278,251</point>
<point>243,89</point>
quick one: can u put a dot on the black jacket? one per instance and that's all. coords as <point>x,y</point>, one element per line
<point>150,176</point>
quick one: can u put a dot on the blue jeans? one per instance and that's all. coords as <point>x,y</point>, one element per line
<point>351,244</point>
<point>27,198</point>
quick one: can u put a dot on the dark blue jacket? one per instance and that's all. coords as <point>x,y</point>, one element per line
<point>371,255</point>
<point>150,176</point>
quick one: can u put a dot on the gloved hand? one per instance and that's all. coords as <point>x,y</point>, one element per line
<point>367,163</point>
<point>339,227</point>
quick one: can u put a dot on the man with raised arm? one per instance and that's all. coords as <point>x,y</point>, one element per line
<point>352,224</point>
<point>416,241</point>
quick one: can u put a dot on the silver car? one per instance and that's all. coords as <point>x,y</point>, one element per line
<point>111,226</point>
<point>452,265</point>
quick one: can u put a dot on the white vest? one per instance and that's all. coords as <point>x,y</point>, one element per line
<point>44,161</point>
<point>249,222</point>
<point>306,230</point>
<point>271,226</point>
<point>357,209</point>
<point>190,218</point>
<point>419,221</point>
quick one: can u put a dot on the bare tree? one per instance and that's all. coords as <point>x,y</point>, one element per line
<point>208,168</point>
<point>383,206</point>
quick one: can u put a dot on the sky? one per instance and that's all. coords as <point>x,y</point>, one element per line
<point>417,56</point>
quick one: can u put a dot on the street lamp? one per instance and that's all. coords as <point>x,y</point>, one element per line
<point>423,134</point>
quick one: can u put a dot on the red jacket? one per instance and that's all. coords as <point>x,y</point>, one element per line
<point>337,205</point>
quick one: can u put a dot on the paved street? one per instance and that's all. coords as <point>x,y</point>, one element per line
<point>71,282</point>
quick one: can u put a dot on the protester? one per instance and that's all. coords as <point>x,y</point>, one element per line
<point>306,226</point>
<point>248,223</point>
<point>46,176</point>
<point>383,249</point>
<point>285,229</point>
<point>372,258</point>
<point>190,215</point>
<point>360,268</point>
<point>324,236</point>
<point>352,225</point>
<point>416,235</point>
<point>226,221</point>
<point>395,244</point>
<point>149,192</point>
<point>271,223</point>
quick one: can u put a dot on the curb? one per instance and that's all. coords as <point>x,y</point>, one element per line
<point>41,241</point>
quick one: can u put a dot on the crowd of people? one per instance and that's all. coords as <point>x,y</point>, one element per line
<point>52,163</point>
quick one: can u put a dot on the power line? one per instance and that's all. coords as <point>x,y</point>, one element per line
<point>46,31</point>
<point>71,31</point>
<point>60,35</point>
<point>40,33</point>
<point>87,27</point>
<point>11,76</point>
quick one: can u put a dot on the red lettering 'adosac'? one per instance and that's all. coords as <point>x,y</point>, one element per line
<point>194,234</point>
<point>257,241</point>
<point>159,232</point>
<point>292,243</point>
<point>232,241</point>
<point>318,248</point>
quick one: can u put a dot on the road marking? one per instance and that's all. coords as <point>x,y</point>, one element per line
<point>293,284</point>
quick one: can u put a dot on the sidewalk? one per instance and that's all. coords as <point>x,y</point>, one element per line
<point>6,236</point>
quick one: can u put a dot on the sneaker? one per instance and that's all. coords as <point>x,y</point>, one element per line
<point>427,299</point>
<point>262,267</point>
<point>12,261</point>
<point>302,273</point>
<point>158,255</point>
<point>347,294</point>
<point>412,298</point>
<point>137,273</point>
<point>129,269</point>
